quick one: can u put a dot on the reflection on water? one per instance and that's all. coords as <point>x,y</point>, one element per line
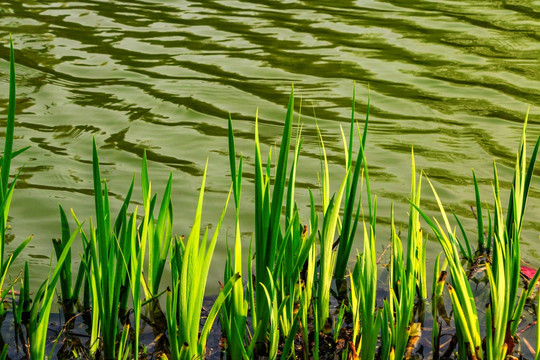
<point>452,78</point>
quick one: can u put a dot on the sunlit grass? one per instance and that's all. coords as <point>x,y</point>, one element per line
<point>190,263</point>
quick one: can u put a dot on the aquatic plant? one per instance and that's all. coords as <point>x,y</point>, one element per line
<point>69,291</point>
<point>268,206</point>
<point>159,232</point>
<point>190,263</point>
<point>505,309</point>
<point>235,307</point>
<point>6,188</point>
<point>366,319</point>
<point>110,251</point>
<point>42,303</point>
<point>437,303</point>
<point>350,220</point>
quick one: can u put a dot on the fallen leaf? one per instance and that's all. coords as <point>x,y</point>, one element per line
<point>527,272</point>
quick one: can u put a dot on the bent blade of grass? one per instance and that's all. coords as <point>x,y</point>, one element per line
<point>466,251</point>
<point>349,221</point>
<point>224,293</point>
<point>497,312</point>
<point>462,322</point>
<point>416,252</point>
<point>16,153</point>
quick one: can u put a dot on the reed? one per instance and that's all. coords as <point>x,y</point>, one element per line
<point>235,308</point>
<point>106,268</point>
<point>517,202</point>
<point>190,263</point>
<point>465,312</point>
<point>69,291</point>
<point>22,308</point>
<point>41,306</point>
<point>280,251</point>
<point>6,188</point>
<point>329,227</point>
<point>268,205</point>
<point>159,232</point>
<point>350,220</point>
<point>437,303</point>
<point>399,307</point>
<point>505,309</point>
<point>366,319</point>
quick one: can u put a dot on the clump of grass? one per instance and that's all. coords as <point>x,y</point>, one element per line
<point>437,303</point>
<point>366,319</point>
<point>505,309</point>
<point>106,268</point>
<point>350,220</point>
<point>235,308</point>
<point>464,306</point>
<point>41,306</point>
<point>190,263</point>
<point>69,291</point>
<point>22,308</point>
<point>268,235</point>
<point>6,188</point>
<point>327,255</point>
<point>159,232</point>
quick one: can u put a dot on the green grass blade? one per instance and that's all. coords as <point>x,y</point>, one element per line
<point>10,126</point>
<point>279,182</point>
<point>479,217</point>
<point>215,310</point>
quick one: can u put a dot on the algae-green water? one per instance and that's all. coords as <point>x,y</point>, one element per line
<point>451,78</point>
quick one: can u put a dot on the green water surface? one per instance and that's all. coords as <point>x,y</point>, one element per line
<point>451,78</point>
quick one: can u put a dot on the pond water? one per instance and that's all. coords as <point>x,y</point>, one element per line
<point>451,78</point>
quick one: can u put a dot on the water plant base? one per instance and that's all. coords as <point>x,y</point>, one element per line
<point>69,338</point>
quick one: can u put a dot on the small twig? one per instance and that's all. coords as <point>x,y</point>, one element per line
<point>526,328</point>
<point>384,252</point>
<point>528,346</point>
<point>451,346</point>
